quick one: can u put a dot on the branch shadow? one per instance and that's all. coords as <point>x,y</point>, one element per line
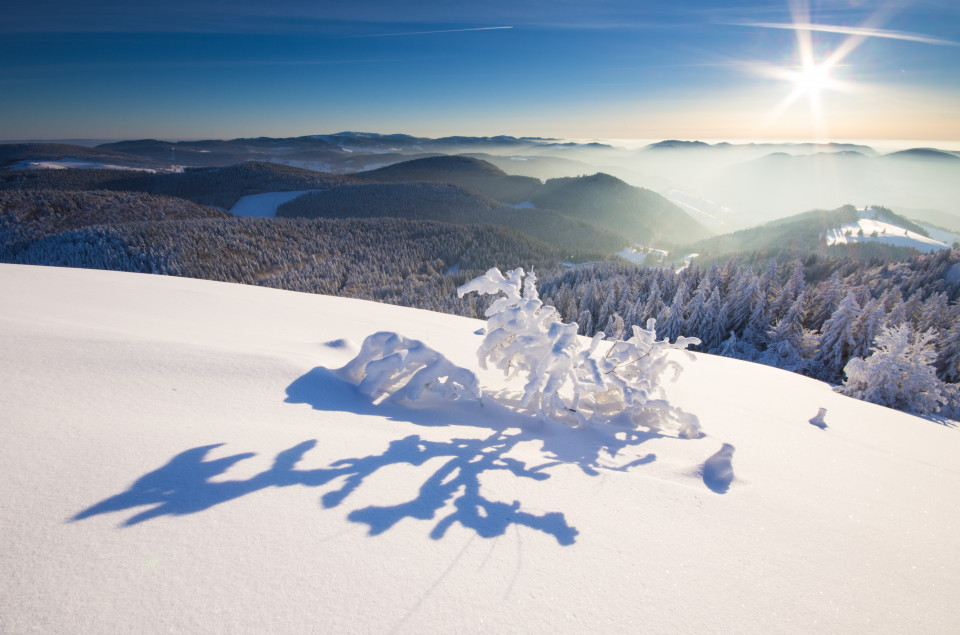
<point>183,486</point>
<point>451,494</point>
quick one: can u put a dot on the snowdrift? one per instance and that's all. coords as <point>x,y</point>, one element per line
<point>180,455</point>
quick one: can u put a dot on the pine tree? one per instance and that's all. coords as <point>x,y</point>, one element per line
<point>791,291</point>
<point>837,341</point>
<point>741,301</point>
<point>948,360</point>
<point>868,325</point>
<point>697,317</point>
<point>789,345</point>
<point>755,330</point>
<point>714,325</point>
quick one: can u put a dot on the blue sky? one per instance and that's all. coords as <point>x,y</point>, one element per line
<point>611,69</point>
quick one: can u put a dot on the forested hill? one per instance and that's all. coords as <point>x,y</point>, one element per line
<point>12,153</point>
<point>27,216</point>
<point>639,214</point>
<point>219,187</point>
<point>468,172</point>
<point>452,204</point>
<point>803,234</point>
<point>411,263</point>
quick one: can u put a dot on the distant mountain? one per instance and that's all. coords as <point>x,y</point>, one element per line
<point>923,153</point>
<point>673,144</point>
<point>638,214</point>
<point>341,152</point>
<point>759,148</point>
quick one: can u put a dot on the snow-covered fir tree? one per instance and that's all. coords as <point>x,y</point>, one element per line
<point>899,373</point>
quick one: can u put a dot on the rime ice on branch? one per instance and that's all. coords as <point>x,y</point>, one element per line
<point>567,381</point>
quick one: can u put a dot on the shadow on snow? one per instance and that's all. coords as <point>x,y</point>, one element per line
<point>453,491</point>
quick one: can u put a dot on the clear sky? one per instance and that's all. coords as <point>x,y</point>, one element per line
<point>612,69</point>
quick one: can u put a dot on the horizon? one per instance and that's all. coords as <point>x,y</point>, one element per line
<point>797,69</point>
<point>880,145</point>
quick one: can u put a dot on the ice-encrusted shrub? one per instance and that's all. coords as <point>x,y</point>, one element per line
<point>390,364</point>
<point>565,380</point>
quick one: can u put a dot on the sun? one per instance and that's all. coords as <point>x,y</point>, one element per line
<point>812,79</point>
<point>811,75</point>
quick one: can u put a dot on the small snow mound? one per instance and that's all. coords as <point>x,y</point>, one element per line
<point>818,419</point>
<point>339,343</point>
<point>718,470</point>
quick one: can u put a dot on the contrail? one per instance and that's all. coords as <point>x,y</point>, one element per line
<point>851,30</point>
<point>479,28</point>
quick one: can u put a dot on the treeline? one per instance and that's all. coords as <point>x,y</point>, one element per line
<point>452,204</point>
<point>786,315</point>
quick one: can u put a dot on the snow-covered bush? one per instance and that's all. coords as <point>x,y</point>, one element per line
<point>565,380</point>
<point>899,373</point>
<point>390,364</point>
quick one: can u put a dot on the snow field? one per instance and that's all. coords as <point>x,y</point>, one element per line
<point>178,456</point>
<point>264,205</point>
<point>879,231</point>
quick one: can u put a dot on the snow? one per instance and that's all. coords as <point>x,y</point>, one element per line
<point>179,455</point>
<point>886,233</point>
<point>638,255</point>
<point>264,205</point>
<point>524,205</point>
<point>942,235</point>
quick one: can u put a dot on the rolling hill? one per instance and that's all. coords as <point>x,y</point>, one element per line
<point>467,172</point>
<point>642,216</point>
<point>842,232</point>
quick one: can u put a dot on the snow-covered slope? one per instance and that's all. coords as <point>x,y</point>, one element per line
<point>871,228</point>
<point>264,205</point>
<point>177,456</point>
